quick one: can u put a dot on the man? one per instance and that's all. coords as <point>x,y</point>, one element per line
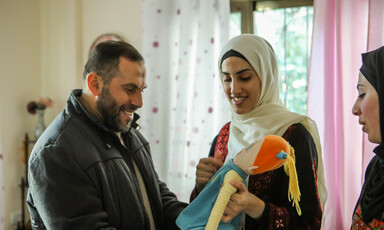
<point>91,169</point>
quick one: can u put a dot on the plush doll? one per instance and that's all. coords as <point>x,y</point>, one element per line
<point>270,153</point>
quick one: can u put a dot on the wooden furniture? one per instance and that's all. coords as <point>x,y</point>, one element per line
<point>27,147</point>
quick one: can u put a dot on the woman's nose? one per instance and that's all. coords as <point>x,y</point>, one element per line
<point>235,88</point>
<point>356,109</point>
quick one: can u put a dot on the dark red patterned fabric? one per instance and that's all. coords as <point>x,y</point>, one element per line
<point>269,186</point>
<point>222,142</point>
<point>359,224</point>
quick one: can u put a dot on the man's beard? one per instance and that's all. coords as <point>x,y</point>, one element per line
<point>110,112</point>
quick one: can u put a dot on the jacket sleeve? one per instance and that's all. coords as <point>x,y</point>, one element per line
<point>281,215</point>
<point>63,194</point>
<point>171,205</point>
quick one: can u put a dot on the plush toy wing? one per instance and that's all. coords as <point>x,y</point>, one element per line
<point>225,193</point>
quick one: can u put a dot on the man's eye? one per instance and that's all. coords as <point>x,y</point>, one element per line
<point>130,90</point>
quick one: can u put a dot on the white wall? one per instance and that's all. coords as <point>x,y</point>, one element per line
<point>43,48</point>
<point>20,82</point>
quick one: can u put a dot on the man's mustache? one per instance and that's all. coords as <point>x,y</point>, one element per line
<point>129,107</point>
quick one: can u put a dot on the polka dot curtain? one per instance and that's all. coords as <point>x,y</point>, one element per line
<point>184,104</point>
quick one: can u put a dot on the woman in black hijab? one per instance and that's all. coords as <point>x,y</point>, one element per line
<point>369,107</point>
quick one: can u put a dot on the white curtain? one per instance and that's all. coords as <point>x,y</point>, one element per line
<point>184,106</point>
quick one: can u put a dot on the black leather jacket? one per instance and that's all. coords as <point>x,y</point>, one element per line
<point>82,177</point>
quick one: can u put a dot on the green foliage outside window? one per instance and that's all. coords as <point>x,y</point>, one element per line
<point>289,30</point>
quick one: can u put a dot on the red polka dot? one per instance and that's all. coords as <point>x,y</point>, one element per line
<point>156,44</point>
<point>158,76</point>
<point>159,11</point>
<point>212,40</point>
<point>157,141</point>
<point>188,143</point>
<point>155,110</point>
<point>178,12</point>
<point>210,110</point>
<point>195,130</point>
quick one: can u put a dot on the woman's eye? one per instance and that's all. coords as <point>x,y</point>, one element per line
<point>361,95</point>
<point>245,78</point>
<point>227,79</point>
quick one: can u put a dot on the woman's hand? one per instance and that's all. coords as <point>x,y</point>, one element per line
<point>243,201</point>
<point>206,168</point>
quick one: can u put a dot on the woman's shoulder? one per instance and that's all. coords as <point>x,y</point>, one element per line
<point>295,131</point>
<point>301,140</point>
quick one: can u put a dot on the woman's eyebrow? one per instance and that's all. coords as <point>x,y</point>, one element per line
<point>238,72</point>
<point>359,86</point>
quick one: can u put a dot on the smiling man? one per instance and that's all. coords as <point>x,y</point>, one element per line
<point>91,168</point>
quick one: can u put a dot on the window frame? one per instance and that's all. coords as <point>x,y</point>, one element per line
<point>246,8</point>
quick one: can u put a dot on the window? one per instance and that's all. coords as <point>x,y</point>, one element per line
<point>287,25</point>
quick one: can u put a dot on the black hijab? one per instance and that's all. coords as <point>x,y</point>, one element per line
<point>372,197</point>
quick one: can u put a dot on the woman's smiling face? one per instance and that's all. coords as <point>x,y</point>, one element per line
<point>241,84</point>
<point>366,108</point>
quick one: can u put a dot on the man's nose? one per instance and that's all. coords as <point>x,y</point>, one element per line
<point>137,100</point>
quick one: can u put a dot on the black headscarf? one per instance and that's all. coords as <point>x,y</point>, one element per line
<point>372,197</point>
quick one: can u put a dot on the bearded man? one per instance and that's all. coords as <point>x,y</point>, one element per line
<point>91,168</point>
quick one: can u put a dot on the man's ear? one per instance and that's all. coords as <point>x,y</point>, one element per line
<point>94,84</point>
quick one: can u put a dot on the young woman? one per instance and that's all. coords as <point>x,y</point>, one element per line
<point>369,107</point>
<point>249,77</point>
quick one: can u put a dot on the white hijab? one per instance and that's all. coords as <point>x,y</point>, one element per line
<point>269,117</point>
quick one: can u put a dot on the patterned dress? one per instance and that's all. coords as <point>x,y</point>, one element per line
<point>369,210</point>
<point>272,186</point>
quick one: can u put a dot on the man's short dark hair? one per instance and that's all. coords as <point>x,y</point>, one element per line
<point>105,59</point>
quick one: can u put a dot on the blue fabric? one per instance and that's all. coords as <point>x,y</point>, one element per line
<point>195,215</point>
